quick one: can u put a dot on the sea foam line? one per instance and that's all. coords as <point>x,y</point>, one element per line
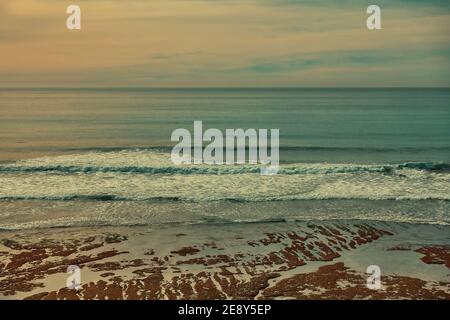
<point>112,197</point>
<point>225,169</point>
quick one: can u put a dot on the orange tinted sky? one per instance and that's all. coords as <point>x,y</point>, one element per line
<point>162,43</point>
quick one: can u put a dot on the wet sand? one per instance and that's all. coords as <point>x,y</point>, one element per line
<point>282,260</point>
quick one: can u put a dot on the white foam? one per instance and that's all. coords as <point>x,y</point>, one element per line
<point>210,183</point>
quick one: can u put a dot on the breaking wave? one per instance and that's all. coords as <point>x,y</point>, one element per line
<point>226,169</point>
<point>144,175</point>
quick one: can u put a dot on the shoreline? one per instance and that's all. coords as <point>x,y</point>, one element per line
<point>281,260</point>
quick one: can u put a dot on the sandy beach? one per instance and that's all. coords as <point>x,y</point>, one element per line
<point>284,260</point>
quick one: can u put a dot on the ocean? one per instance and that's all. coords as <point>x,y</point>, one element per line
<point>88,157</point>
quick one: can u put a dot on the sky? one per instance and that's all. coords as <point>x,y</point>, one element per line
<point>224,43</point>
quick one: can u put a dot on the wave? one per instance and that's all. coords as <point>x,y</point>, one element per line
<point>168,149</point>
<point>112,197</point>
<point>227,169</point>
<point>140,175</point>
<point>192,170</point>
<point>444,167</point>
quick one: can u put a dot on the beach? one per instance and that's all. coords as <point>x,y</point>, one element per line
<point>284,260</point>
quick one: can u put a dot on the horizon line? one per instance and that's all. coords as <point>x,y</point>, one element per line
<point>219,87</point>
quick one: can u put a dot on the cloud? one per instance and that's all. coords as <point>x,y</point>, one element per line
<point>362,59</point>
<point>439,4</point>
<point>220,43</point>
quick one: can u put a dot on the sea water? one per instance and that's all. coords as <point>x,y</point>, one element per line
<point>81,157</point>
